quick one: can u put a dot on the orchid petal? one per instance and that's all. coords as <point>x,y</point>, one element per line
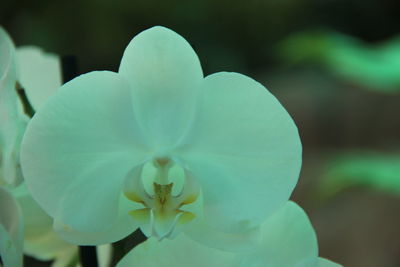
<point>288,238</point>
<point>11,230</point>
<point>122,227</point>
<point>310,262</point>
<point>40,240</point>
<point>321,262</point>
<point>180,251</point>
<point>68,257</point>
<point>165,75</point>
<point>39,74</point>
<point>245,150</point>
<point>12,120</point>
<point>104,255</point>
<point>233,242</point>
<point>80,146</point>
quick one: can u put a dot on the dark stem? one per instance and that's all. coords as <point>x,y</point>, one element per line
<point>88,256</point>
<point>26,105</point>
<point>125,245</point>
<point>69,68</point>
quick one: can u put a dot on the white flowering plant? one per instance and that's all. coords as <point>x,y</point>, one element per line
<point>203,166</point>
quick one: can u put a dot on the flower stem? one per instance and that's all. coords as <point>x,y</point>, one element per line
<point>125,245</point>
<point>28,109</point>
<point>69,68</point>
<point>88,256</point>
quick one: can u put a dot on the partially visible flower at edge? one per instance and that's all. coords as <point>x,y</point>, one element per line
<point>11,230</point>
<point>39,74</point>
<point>13,121</point>
<point>40,240</point>
<point>288,240</point>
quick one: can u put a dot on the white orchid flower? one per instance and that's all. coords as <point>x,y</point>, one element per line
<point>160,147</point>
<point>12,119</point>
<point>288,240</point>
<point>40,75</point>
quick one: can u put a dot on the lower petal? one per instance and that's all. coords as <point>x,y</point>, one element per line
<point>321,262</point>
<point>180,251</point>
<point>232,242</point>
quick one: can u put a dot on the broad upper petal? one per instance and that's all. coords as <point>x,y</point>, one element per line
<point>165,75</point>
<point>79,147</point>
<point>39,74</point>
<point>11,230</point>
<point>245,150</point>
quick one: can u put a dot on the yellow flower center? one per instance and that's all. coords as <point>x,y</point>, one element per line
<point>163,213</point>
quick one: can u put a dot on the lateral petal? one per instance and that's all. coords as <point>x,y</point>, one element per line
<point>79,147</point>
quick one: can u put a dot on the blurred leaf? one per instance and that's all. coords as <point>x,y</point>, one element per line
<point>375,67</point>
<point>372,170</point>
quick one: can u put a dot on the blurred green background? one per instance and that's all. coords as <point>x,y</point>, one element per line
<point>334,65</point>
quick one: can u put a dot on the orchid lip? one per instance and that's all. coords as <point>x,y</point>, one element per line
<point>162,208</point>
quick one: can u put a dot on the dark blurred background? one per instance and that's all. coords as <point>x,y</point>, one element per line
<point>357,222</point>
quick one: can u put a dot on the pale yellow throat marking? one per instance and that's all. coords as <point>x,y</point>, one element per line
<point>162,202</point>
<point>162,210</point>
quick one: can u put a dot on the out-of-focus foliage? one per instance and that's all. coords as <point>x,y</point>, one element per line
<point>375,67</point>
<point>369,169</point>
<point>228,33</point>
